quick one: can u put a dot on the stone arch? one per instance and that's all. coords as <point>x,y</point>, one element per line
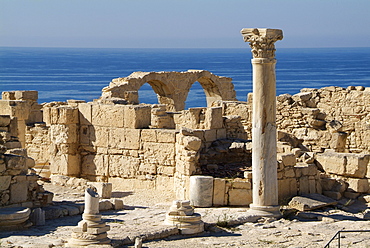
<point>163,93</point>
<point>172,88</point>
<point>210,89</point>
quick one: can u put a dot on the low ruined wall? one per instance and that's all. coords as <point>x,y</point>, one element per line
<point>331,117</point>
<point>18,184</point>
<point>145,146</point>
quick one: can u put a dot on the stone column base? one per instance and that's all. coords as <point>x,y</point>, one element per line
<point>186,224</point>
<point>265,211</point>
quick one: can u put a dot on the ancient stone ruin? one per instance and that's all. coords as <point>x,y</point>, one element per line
<point>322,139</point>
<point>322,145</point>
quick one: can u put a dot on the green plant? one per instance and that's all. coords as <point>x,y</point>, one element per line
<point>222,220</point>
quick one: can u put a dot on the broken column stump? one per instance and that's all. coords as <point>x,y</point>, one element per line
<point>182,215</point>
<point>14,218</point>
<point>91,230</point>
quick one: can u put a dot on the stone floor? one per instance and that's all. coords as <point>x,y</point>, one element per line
<point>145,212</point>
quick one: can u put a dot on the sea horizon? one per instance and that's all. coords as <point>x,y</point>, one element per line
<point>61,73</point>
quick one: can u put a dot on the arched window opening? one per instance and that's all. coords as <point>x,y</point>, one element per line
<point>196,97</point>
<point>147,94</point>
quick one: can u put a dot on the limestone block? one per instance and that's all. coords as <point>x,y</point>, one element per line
<point>166,170</point>
<point>185,168</point>
<point>67,115</point>
<point>69,148</point>
<point>213,118</point>
<point>300,133</point>
<point>358,185</point>
<point>311,185</point>
<point>210,135</point>
<point>18,192</point>
<point>2,165</point>
<point>166,136</point>
<point>328,183</point>
<point>201,191</point>
<point>289,172</point>
<point>338,141</point>
<point>37,217</point>
<point>148,168</point>
<point>64,133</point>
<point>103,189</point>
<point>117,204</point>
<point>13,144</point>
<point>4,182</point>
<point>165,183</point>
<point>15,162</point>
<point>312,170</point>
<point>6,109</point>
<point>304,187</point>
<point>108,115</point>
<point>287,188</point>
<point>123,166</point>
<point>8,95</point>
<point>59,179</point>
<point>219,191</point>
<point>99,136</point>
<point>302,96</point>
<point>19,109</point>
<point>221,133</point>
<point>137,116</point>
<point>311,202</point>
<point>340,186</point>
<point>132,139</point>
<point>105,205</point>
<point>332,162</point>
<point>357,165</point>
<point>239,183</point>
<point>65,164</point>
<point>31,95</point>
<point>70,210</point>
<point>74,103</point>
<point>149,135</point>
<point>192,143</point>
<point>84,134</point>
<point>125,138</point>
<point>240,197</point>
<point>332,194</point>
<point>4,120</point>
<point>160,153</point>
<point>312,134</point>
<point>85,113</point>
<point>94,165</point>
<point>288,159</point>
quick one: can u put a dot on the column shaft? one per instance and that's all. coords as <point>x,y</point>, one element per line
<point>264,163</point>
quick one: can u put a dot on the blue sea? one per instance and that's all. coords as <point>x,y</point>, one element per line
<point>74,73</point>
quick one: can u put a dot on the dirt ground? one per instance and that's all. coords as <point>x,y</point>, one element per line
<point>145,212</point>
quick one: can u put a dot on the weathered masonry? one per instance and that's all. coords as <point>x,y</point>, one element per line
<point>323,141</point>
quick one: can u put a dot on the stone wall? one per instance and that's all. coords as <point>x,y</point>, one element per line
<point>18,183</point>
<point>328,118</point>
<point>146,146</point>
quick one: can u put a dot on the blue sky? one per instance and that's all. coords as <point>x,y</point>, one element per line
<point>181,24</point>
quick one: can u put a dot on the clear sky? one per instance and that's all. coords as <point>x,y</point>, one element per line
<point>181,24</point>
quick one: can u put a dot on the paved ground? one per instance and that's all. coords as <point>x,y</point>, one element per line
<point>146,210</point>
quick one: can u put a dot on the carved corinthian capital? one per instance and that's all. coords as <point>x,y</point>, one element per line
<point>262,41</point>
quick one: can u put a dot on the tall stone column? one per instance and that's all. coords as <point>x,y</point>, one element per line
<point>264,161</point>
